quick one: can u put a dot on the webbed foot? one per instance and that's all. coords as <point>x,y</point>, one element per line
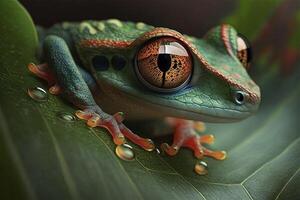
<point>113,123</point>
<point>186,136</point>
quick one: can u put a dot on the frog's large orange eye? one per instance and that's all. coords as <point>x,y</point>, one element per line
<point>244,51</point>
<point>164,64</point>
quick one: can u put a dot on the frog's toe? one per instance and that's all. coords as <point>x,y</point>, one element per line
<point>55,89</point>
<point>199,126</point>
<point>195,143</point>
<point>170,150</point>
<point>219,155</point>
<point>83,114</point>
<point>119,116</point>
<point>207,139</point>
<point>102,120</point>
<point>145,143</point>
<point>94,121</point>
<point>114,125</point>
<point>42,71</point>
<point>186,136</point>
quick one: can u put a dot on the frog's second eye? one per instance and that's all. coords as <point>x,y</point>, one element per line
<point>244,53</point>
<point>164,64</point>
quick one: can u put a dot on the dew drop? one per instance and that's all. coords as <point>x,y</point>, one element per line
<point>38,94</point>
<point>157,151</point>
<point>125,152</point>
<point>66,117</point>
<point>201,168</point>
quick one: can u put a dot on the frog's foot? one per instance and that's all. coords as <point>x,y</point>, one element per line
<point>43,71</point>
<point>186,136</point>
<point>95,117</point>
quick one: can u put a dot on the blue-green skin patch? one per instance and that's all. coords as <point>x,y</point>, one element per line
<point>208,96</point>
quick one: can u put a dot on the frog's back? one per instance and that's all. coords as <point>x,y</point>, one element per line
<point>111,29</point>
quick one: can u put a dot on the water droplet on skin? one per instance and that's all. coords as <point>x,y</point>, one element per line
<point>66,117</point>
<point>125,152</point>
<point>201,168</point>
<point>38,94</point>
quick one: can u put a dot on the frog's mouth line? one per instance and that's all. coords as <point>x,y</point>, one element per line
<point>198,116</point>
<point>165,110</point>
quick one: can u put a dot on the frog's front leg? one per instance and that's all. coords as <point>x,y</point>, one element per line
<point>64,77</point>
<point>186,135</point>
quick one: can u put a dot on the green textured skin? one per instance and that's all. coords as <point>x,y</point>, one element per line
<point>208,96</point>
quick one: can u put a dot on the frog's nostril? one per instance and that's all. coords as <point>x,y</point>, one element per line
<point>239,97</point>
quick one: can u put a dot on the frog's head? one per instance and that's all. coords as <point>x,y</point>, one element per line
<point>179,76</point>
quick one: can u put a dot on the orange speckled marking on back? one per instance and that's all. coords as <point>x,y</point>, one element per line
<point>251,88</point>
<point>96,43</point>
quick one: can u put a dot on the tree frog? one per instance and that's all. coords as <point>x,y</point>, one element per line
<point>109,69</point>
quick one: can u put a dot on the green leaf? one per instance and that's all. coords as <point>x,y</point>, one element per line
<point>44,157</point>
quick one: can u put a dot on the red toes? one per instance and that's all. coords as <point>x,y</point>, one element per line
<point>119,116</point>
<point>113,128</point>
<point>94,121</point>
<point>207,139</point>
<point>83,115</point>
<point>43,72</point>
<point>199,126</point>
<point>219,155</point>
<point>116,128</point>
<point>145,143</point>
<point>170,150</point>
<point>55,89</point>
<point>185,136</point>
<point>110,124</point>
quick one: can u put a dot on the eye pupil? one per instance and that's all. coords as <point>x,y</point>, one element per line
<point>164,62</point>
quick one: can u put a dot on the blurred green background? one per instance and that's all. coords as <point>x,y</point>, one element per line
<point>43,157</point>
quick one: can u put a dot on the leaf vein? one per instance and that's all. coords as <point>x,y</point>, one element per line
<point>257,170</point>
<point>285,185</point>
<point>182,177</point>
<point>247,192</point>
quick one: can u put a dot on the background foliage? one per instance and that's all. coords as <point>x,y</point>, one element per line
<point>43,157</point>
